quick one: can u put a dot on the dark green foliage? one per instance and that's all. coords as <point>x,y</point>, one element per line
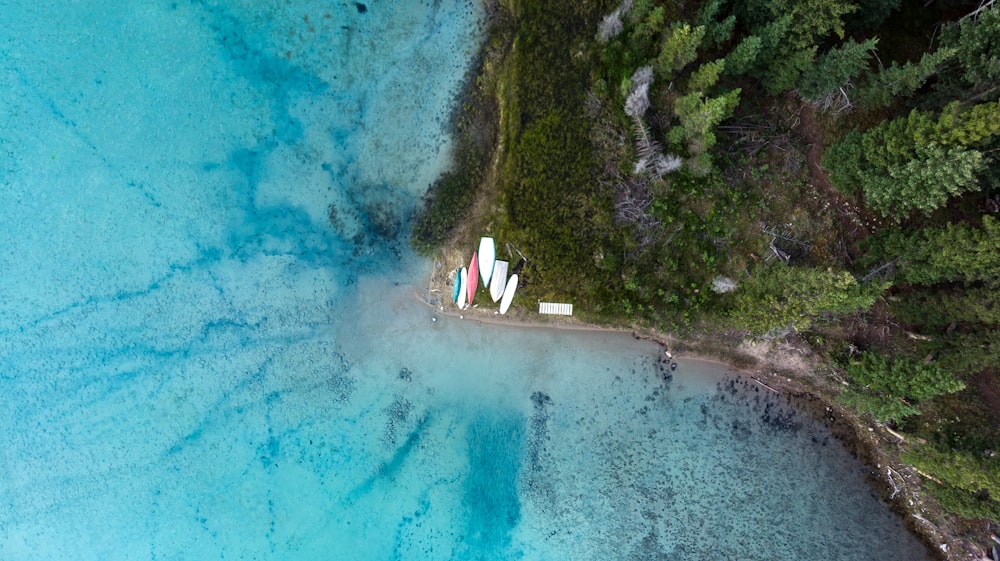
<point>937,308</point>
<point>900,81</point>
<point>551,197</point>
<point>868,400</point>
<point>813,20</point>
<point>716,32</point>
<point>892,387</point>
<point>647,28</point>
<point>977,42</point>
<point>640,9</point>
<point>555,212</point>
<point>915,163</point>
<point>790,33</point>
<point>925,183</point>
<point>741,59</point>
<point>784,71</point>
<point>843,160</point>
<point>680,48</point>
<point>698,116</point>
<point>869,15</point>
<point>444,205</point>
<point>969,352</point>
<point>780,296</point>
<point>835,68</point>
<point>967,485</point>
<point>957,252</point>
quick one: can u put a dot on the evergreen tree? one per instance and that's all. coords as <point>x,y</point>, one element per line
<point>716,32</point>
<point>782,296</point>
<point>812,20</point>
<point>915,163</point>
<point>698,116</point>
<point>897,81</point>
<point>844,161</point>
<point>969,352</point>
<point>977,42</point>
<point>936,308</point>
<point>835,68</point>
<point>705,76</point>
<point>966,485</point>
<point>741,59</point>
<point>783,71</point>
<point>924,183</point>
<point>957,252</point>
<point>890,388</point>
<point>967,127</point>
<point>647,28</point>
<point>680,48</point>
<point>869,15</point>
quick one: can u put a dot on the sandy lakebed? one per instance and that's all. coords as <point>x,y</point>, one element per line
<point>777,366</point>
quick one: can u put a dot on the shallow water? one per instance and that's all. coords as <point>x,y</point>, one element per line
<point>209,347</point>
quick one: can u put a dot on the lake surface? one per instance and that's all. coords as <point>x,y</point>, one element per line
<point>210,349</point>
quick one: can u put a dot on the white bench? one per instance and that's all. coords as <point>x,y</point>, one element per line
<point>555,308</point>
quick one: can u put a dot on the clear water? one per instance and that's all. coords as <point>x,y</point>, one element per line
<point>209,347</point>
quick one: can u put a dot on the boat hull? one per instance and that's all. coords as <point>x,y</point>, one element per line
<point>463,276</point>
<point>473,277</point>
<point>499,281</point>
<point>487,258</point>
<point>508,294</point>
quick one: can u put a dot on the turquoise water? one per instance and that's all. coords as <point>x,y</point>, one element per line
<point>209,346</point>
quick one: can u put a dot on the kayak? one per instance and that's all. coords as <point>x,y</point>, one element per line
<point>473,277</point>
<point>464,278</point>
<point>487,256</point>
<point>499,280</point>
<point>508,294</point>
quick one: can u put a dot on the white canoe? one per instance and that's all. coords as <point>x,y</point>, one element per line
<point>462,291</point>
<point>499,280</point>
<point>508,294</point>
<point>487,256</point>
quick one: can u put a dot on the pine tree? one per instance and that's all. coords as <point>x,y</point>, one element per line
<point>680,48</point>
<point>716,32</point>
<point>835,68</point>
<point>781,296</point>
<point>917,162</point>
<point>933,309</point>
<point>705,76</point>
<point>698,116</point>
<point>957,252</point>
<point>845,162</point>
<point>897,82</point>
<point>741,59</point>
<point>977,41</point>
<point>784,71</point>
<point>966,485</point>
<point>925,183</point>
<point>889,388</point>
<point>812,20</point>
<point>647,28</point>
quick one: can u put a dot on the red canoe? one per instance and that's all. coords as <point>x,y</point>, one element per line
<point>473,276</point>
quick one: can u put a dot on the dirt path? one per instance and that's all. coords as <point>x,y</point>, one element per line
<point>856,223</point>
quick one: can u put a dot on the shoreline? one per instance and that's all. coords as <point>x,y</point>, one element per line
<point>784,370</point>
<point>786,367</point>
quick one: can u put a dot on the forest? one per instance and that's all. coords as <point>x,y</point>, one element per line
<point>826,171</point>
